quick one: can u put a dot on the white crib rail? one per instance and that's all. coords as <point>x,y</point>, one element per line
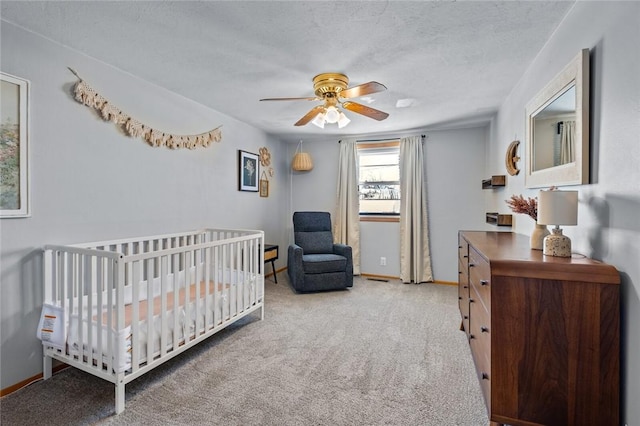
<point>191,285</point>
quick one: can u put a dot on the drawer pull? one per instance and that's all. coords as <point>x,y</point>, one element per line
<point>471,301</point>
<point>484,329</point>
<point>471,265</point>
<point>485,376</point>
<point>459,297</point>
<point>466,317</point>
<point>465,256</point>
<point>459,246</point>
<point>484,282</point>
<point>471,336</point>
<point>464,286</point>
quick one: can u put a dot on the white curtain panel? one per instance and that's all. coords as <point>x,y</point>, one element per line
<point>346,221</point>
<point>415,259</point>
<point>567,137</point>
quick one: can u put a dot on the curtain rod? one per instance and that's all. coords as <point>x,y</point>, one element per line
<point>380,140</point>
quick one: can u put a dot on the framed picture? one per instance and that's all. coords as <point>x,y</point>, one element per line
<point>248,171</point>
<point>264,188</point>
<point>14,152</point>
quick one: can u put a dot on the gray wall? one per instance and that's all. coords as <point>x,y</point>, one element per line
<point>608,226</point>
<point>91,182</point>
<point>455,167</point>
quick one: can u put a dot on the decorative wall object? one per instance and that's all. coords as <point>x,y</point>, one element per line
<point>14,152</point>
<point>511,158</point>
<point>248,165</point>
<point>264,185</point>
<point>265,160</point>
<point>88,96</point>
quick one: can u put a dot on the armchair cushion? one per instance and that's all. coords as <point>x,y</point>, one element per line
<point>315,242</point>
<point>323,263</point>
<point>313,232</point>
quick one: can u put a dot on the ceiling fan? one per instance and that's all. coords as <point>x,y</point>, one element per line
<point>332,88</point>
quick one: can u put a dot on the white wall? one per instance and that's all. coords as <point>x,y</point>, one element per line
<point>91,182</point>
<point>455,167</point>
<point>608,226</point>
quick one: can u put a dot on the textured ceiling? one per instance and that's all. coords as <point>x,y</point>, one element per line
<point>452,62</point>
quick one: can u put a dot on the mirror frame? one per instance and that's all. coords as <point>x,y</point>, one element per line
<point>577,172</point>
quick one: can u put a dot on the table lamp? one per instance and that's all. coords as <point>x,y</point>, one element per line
<point>557,208</point>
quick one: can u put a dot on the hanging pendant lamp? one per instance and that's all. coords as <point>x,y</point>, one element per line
<point>301,160</point>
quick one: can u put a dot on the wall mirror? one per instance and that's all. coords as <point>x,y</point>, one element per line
<point>558,129</point>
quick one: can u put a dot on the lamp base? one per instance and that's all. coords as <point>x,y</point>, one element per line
<point>556,244</point>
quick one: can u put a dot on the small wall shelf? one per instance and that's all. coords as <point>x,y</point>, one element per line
<point>499,219</point>
<point>495,182</point>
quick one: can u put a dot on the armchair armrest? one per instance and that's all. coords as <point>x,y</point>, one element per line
<point>294,266</point>
<point>342,250</point>
<point>345,250</point>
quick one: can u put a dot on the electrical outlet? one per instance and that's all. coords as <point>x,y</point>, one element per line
<point>383,261</point>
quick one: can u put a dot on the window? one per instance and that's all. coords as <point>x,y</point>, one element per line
<point>379,178</point>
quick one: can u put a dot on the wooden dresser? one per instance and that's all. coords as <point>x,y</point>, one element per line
<point>544,331</point>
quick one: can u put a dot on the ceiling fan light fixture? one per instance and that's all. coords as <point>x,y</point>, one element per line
<point>332,115</point>
<point>343,120</point>
<point>319,120</point>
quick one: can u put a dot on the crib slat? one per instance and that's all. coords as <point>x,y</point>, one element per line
<point>110,316</point>
<point>197,329</point>
<point>208,316</point>
<point>176,289</point>
<point>135,314</point>
<point>149,325</point>
<point>97,276</point>
<point>163,311</point>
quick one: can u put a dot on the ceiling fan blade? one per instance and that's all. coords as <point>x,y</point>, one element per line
<point>363,89</point>
<point>365,110</point>
<point>310,115</point>
<point>292,99</point>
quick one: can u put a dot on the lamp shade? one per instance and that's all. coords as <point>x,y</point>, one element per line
<point>332,115</point>
<point>558,208</point>
<point>302,162</point>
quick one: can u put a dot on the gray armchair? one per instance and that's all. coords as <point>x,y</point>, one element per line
<point>314,262</point>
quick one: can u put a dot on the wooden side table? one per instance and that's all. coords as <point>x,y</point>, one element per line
<point>271,255</point>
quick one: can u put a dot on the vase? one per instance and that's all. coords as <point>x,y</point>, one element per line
<point>537,237</point>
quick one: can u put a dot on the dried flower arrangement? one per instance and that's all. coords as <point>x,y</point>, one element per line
<point>528,206</point>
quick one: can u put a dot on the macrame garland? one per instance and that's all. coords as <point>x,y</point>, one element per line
<point>86,95</point>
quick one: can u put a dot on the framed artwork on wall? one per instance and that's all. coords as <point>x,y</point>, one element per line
<point>247,171</point>
<point>14,152</point>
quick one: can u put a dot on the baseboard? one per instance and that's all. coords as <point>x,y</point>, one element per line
<point>379,277</point>
<point>453,283</point>
<point>384,277</point>
<point>389,277</point>
<point>26,382</point>
<point>270,274</point>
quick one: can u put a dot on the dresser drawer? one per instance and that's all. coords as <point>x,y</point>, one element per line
<point>480,331</point>
<point>463,294</point>
<point>463,301</point>
<point>480,278</point>
<point>463,250</point>
<point>482,362</point>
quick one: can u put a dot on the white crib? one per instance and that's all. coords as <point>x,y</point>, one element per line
<point>117,309</point>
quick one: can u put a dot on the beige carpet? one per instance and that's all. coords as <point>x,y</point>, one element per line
<point>377,354</point>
